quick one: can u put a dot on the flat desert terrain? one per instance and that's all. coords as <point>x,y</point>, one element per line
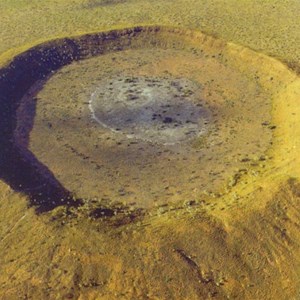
<point>149,149</point>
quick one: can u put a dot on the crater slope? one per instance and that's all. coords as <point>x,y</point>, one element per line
<point>224,225</point>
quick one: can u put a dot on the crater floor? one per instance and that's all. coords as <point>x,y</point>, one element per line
<point>149,126</point>
<point>155,109</point>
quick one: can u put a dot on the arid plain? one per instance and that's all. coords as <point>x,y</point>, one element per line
<point>106,193</point>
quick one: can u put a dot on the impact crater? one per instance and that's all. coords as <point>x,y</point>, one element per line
<point>147,116</point>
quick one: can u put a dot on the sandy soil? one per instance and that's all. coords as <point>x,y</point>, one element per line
<point>243,244</point>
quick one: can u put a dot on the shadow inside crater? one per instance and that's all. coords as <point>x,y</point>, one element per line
<point>19,168</point>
